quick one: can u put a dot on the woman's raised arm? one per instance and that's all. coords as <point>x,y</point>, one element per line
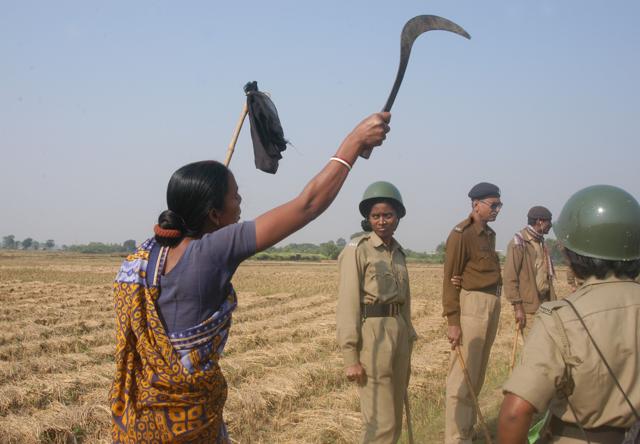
<point>280,222</point>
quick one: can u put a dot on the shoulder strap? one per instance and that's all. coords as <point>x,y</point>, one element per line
<point>635,412</point>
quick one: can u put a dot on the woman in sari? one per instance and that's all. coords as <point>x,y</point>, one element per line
<point>174,298</point>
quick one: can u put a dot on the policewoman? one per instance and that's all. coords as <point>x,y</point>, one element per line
<point>374,327</point>
<point>582,358</point>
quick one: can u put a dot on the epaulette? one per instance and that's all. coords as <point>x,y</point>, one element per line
<point>357,240</point>
<point>462,226</point>
<point>548,307</point>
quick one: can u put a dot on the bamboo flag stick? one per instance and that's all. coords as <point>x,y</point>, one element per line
<point>236,133</point>
<point>487,436</point>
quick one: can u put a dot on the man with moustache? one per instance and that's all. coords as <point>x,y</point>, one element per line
<point>471,304</point>
<point>528,269</point>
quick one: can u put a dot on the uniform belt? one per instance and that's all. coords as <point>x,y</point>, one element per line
<point>494,290</point>
<point>379,310</point>
<point>595,435</point>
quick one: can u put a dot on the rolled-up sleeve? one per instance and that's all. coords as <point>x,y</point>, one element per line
<point>537,377</point>
<point>348,312</point>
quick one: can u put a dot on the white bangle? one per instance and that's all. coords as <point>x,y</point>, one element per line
<point>342,161</point>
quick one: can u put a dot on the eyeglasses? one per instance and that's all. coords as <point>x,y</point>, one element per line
<point>494,206</point>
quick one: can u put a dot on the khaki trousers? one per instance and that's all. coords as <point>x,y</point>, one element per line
<point>386,358</point>
<point>479,316</point>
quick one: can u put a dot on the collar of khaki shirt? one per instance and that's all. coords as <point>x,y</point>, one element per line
<point>610,277</point>
<point>480,228</point>
<point>376,241</point>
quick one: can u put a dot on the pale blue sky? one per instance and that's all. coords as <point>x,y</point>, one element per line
<point>101,101</point>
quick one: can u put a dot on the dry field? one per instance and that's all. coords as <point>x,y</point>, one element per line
<point>282,363</point>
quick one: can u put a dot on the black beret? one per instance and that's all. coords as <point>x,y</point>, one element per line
<point>484,189</point>
<point>539,212</point>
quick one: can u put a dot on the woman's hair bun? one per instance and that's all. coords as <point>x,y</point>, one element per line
<point>366,225</point>
<point>170,229</point>
<point>171,220</point>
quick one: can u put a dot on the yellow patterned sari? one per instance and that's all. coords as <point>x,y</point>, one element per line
<point>167,388</point>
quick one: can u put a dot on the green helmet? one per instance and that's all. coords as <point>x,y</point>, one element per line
<point>384,190</point>
<point>601,221</point>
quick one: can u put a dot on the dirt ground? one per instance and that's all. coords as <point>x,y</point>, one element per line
<point>281,362</point>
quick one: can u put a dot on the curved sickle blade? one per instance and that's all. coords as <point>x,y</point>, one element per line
<point>411,31</point>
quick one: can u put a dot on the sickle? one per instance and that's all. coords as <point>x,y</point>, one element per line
<point>411,31</point>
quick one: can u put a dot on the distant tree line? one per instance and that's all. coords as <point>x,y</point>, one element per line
<point>290,252</point>
<point>331,250</point>
<point>10,243</point>
<point>127,246</point>
<point>435,257</point>
<point>303,252</point>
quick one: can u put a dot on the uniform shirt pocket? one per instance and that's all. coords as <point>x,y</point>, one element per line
<point>486,259</point>
<point>380,283</point>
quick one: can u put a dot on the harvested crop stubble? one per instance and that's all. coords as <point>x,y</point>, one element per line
<point>282,363</point>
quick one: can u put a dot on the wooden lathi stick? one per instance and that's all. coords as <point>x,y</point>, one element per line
<point>487,436</point>
<point>515,347</point>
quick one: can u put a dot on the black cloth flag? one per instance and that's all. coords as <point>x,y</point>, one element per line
<point>266,131</point>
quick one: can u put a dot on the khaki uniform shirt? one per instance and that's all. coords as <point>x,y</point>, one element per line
<point>471,253</point>
<point>370,272</point>
<point>611,310</point>
<point>526,275</point>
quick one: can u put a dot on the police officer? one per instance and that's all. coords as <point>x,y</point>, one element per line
<point>561,368</point>
<point>471,304</point>
<point>528,269</point>
<point>374,326</point>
